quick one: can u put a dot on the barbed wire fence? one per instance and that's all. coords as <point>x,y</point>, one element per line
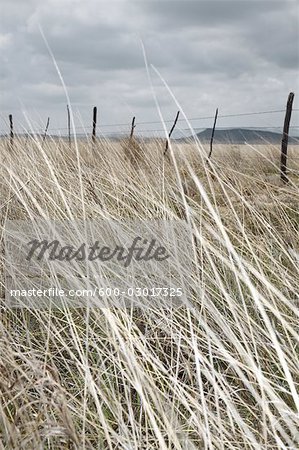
<point>144,127</point>
<point>90,132</point>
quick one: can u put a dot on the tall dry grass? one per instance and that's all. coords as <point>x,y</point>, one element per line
<point>221,375</point>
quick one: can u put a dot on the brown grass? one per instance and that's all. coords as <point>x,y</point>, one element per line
<point>222,375</point>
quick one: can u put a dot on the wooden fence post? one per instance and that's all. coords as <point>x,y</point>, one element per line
<point>132,128</point>
<point>94,124</point>
<point>170,133</point>
<point>212,136</point>
<point>285,138</point>
<point>46,130</point>
<point>69,124</point>
<point>11,130</point>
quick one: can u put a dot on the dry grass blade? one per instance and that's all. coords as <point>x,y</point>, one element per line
<point>222,374</point>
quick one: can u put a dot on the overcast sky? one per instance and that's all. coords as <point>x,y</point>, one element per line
<point>236,55</point>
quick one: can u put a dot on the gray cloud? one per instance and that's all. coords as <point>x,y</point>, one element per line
<point>206,13</point>
<point>238,55</point>
<point>275,37</point>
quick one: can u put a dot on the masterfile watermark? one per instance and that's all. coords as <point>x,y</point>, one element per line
<point>51,263</point>
<point>140,250</point>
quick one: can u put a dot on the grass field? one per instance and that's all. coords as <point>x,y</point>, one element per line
<point>222,375</point>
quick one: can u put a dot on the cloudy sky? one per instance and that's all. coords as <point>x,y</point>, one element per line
<point>237,55</point>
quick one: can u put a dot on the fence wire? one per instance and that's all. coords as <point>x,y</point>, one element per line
<point>86,129</point>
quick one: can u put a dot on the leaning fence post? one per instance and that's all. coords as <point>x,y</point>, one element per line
<point>69,124</point>
<point>11,130</point>
<point>212,136</point>
<point>132,128</point>
<point>46,130</point>
<point>94,124</point>
<point>170,133</point>
<point>285,138</point>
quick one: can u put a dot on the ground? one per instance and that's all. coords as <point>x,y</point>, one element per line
<point>222,374</point>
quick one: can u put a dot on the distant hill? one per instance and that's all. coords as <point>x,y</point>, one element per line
<point>242,135</point>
